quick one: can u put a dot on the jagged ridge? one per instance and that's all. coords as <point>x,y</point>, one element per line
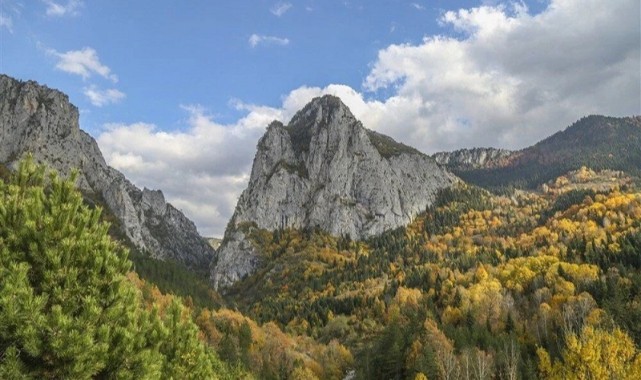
<point>41,121</point>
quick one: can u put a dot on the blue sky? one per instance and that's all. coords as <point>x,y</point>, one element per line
<point>165,53</point>
<point>177,93</point>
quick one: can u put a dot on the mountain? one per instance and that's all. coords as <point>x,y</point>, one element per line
<point>597,142</point>
<point>325,170</point>
<point>41,121</point>
<point>478,275</point>
<point>475,158</point>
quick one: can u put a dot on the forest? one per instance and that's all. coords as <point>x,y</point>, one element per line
<point>542,283</point>
<point>598,142</point>
<point>523,285</point>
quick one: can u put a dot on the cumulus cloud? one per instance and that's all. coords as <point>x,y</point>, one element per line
<point>201,170</point>
<point>257,39</point>
<point>99,97</point>
<point>86,63</point>
<point>510,78</point>
<point>280,8</point>
<point>498,76</point>
<point>83,62</point>
<point>57,9</point>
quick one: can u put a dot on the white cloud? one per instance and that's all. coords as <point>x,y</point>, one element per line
<point>99,97</point>
<point>508,80</point>
<point>6,22</point>
<point>57,9</point>
<point>511,78</point>
<point>257,39</point>
<point>8,10</point>
<point>280,8</point>
<point>201,170</point>
<point>84,62</point>
<point>418,6</point>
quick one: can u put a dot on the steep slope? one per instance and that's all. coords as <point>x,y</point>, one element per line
<point>325,170</point>
<point>475,158</point>
<point>41,121</point>
<point>597,142</point>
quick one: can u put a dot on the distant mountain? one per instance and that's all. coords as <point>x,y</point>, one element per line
<point>37,120</point>
<point>475,158</point>
<point>597,142</point>
<point>325,170</point>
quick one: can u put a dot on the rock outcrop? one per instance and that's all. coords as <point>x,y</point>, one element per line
<point>475,158</point>
<point>37,120</point>
<point>325,170</point>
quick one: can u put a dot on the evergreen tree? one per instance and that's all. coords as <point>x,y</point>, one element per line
<point>67,310</point>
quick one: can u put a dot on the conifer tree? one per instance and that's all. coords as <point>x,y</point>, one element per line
<point>67,310</point>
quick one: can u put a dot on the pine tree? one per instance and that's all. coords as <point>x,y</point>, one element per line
<point>185,355</point>
<point>67,310</point>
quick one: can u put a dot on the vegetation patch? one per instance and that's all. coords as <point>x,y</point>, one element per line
<point>299,169</point>
<point>388,147</point>
<point>301,137</point>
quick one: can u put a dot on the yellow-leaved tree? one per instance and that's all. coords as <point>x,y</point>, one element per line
<point>594,354</point>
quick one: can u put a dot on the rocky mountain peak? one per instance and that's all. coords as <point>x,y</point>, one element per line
<point>27,103</point>
<point>40,121</point>
<point>320,111</point>
<point>325,170</point>
<point>327,113</point>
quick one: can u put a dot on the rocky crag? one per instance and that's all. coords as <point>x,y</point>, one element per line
<point>325,170</point>
<point>475,158</point>
<point>37,120</point>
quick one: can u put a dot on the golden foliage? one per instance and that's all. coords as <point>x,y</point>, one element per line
<point>594,354</point>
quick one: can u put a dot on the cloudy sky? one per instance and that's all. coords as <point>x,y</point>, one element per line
<point>178,95</point>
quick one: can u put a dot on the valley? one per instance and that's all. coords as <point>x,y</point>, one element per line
<point>349,255</point>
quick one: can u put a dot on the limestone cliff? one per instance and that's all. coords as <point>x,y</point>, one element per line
<point>475,158</point>
<point>41,121</point>
<point>325,170</point>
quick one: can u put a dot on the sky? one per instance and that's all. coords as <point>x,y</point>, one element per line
<point>178,93</point>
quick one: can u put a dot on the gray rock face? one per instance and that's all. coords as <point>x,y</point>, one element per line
<point>475,158</point>
<point>41,121</point>
<point>326,170</point>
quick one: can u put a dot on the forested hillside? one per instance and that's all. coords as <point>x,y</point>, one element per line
<point>479,286</point>
<point>527,285</point>
<point>70,308</point>
<point>598,142</point>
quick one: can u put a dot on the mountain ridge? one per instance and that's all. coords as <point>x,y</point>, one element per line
<point>474,158</point>
<point>595,141</point>
<point>40,121</point>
